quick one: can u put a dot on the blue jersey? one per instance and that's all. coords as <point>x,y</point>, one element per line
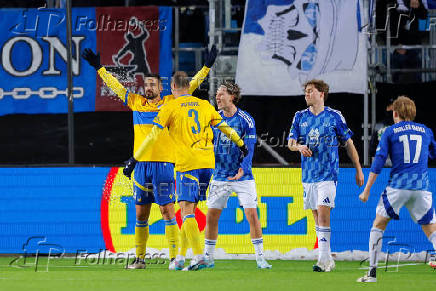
<point>228,158</point>
<point>322,134</point>
<point>409,145</point>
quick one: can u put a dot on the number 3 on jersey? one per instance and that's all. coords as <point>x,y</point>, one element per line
<point>194,113</point>
<point>405,140</point>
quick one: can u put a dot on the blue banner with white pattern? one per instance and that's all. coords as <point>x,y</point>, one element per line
<point>285,43</point>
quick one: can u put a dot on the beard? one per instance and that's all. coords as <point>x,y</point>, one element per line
<point>150,95</point>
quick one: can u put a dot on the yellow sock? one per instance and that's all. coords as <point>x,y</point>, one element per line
<point>193,234</point>
<point>183,241</point>
<point>141,237</point>
<point>172,236</point>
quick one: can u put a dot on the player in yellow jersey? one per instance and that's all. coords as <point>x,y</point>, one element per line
<point>153,179</point>
<point>189,122</point>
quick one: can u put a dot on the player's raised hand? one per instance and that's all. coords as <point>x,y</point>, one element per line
<point>364,196</point>
<point>360,178</point>
<point>237,176</point>
<point>305,151</point>
<point>211,56</point>
<point>129,167</point>
<point>92,58</point>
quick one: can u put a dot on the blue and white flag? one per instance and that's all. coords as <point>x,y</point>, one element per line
<point>288,42</point>
<point>429,4</point>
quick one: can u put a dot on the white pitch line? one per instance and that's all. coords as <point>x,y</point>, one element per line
<point>43,266</point>
<point>71,279</point>
<point>393,266</point>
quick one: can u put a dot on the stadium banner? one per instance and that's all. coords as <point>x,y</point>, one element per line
<point>429,4</point>
<point>131,40</point>
<point>285,43</point>
<point>88,210</point>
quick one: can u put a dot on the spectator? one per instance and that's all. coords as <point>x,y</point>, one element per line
<point>403,19</point>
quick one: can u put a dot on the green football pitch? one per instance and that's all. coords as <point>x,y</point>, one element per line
<point>66,274</point>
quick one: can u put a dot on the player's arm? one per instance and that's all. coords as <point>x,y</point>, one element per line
<point>294,146</point>
<point>377,165</point>
<point>160,121</point>
<point>250,139</point>
<point>94,60</point>
<point>246,161</point>
<point>294,134</point>
<point>233,136</point>
<point>217,121</point>
<point>365,194</point>
<point>354,157</point>
<point>202,74</point>
<point>230,133</point>
<point>148,142</point>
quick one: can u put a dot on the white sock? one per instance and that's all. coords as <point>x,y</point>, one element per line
<point>258,246</point>
<point>375,245</point>
<point>317,235</point>
<point>209,247</point>
<point>432,239</point>
<point>324,242</point>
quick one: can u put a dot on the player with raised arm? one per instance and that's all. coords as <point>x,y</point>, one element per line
<point>153,179</point>
<point>316,133</point>
<point>189,120</point>
<point>233,174</point>
<point>409,145</point>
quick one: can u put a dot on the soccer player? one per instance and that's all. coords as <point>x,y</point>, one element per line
<point>233,174</point>
<point>316,133</point>
<point>153,179</point>
<point>189,122</point>
<point>409,144</point>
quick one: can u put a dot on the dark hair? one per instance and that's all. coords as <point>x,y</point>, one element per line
<point>153,75</point>
<point>320,85</point>
<point>180,79</point>
<point>233,89</point>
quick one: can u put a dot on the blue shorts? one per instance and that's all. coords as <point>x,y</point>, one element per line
<point>153,182</point>
<point>192,185</point>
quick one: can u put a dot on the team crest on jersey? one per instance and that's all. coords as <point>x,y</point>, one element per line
<point>314,136</point>
<point>224,139</point>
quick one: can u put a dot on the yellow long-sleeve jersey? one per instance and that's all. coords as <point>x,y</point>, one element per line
<point>143,114</point>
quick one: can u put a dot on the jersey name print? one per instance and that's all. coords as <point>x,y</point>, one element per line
<point>409,145</point>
